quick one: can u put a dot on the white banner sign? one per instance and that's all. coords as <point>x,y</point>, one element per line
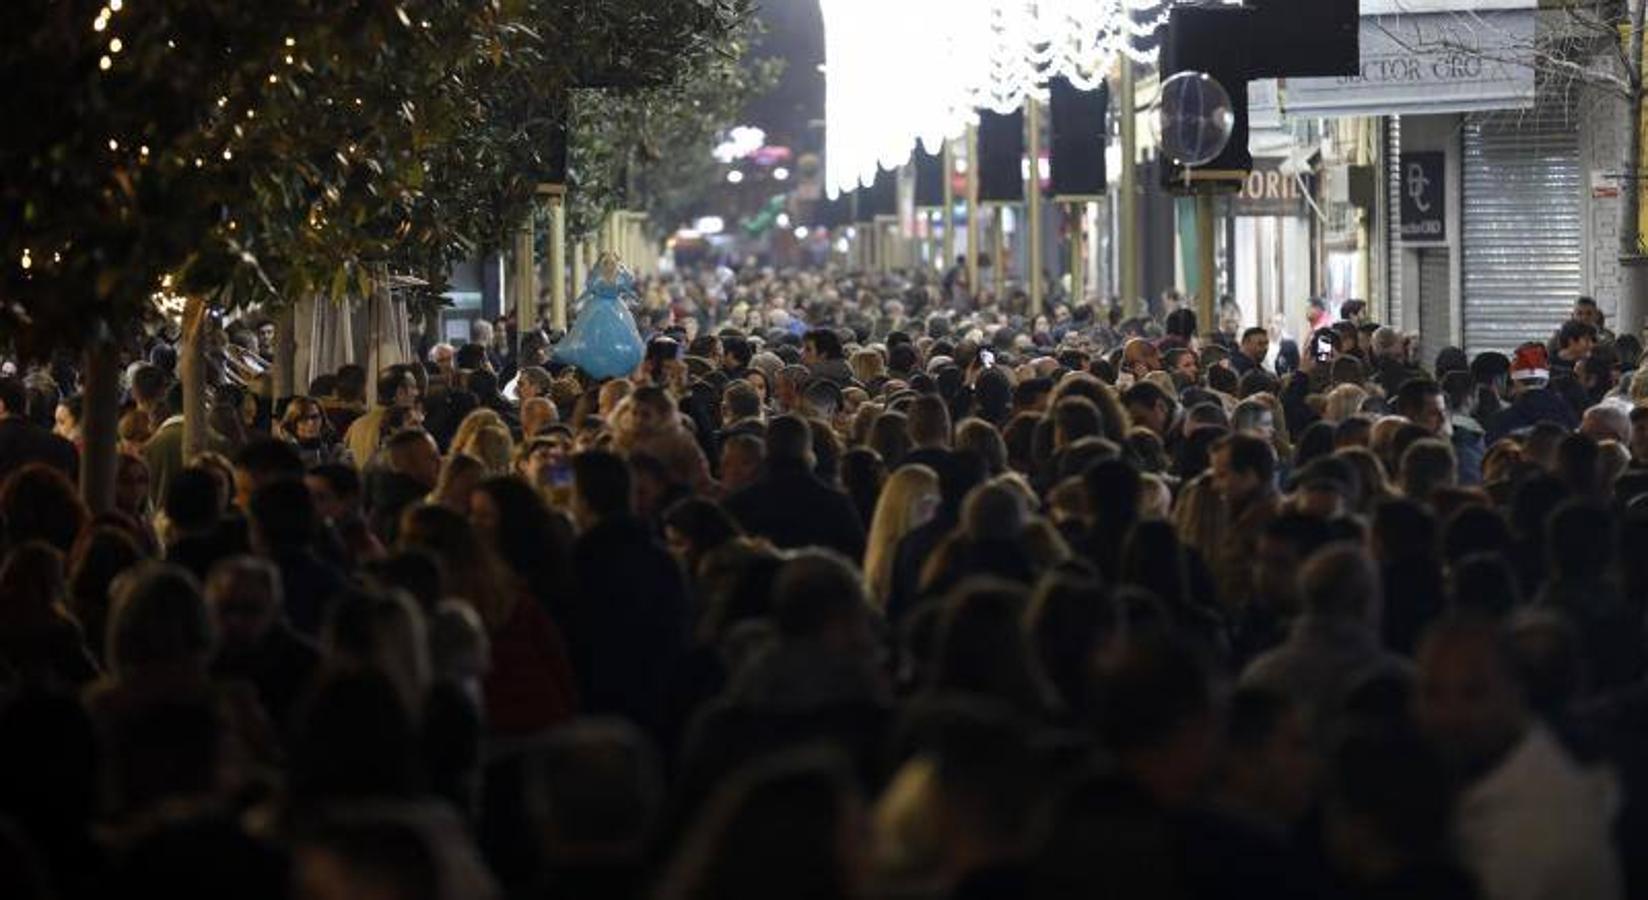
<point>1437,62</point>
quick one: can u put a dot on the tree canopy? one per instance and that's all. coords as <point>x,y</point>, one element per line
<point>263,152</point>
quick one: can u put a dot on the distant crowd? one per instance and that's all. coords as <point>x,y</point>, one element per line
<point>859,586</point>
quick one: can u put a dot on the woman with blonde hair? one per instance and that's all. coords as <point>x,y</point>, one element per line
<point>868,367</point>
<point>908,500</point>
<point>459,476</point>
<point>1343,402</point>
<point>492,445</point>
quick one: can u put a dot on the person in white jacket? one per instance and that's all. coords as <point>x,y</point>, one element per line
<point>1532,824</point>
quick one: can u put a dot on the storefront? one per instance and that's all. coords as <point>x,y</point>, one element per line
<point>1480,207</point>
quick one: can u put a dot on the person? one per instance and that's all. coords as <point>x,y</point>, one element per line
<point>1334,644</point>
<point>627,616</point>
<point>1251,355</point>
<point>821,353</point>
<point>1466,433</point>
<point>40,643</point>
<point>253,641</point>
<point>1243,475</point>
<point>1532,400</point>
<point>529,686</point>
<point>767,507</point>
<point>603,341</point>
<point>1531,823</point>
<point>23,442</point>
<point>284,528</point>
<point>304,425</point>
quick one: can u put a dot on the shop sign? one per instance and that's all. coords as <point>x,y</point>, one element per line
<point>1421,63</point>
<point>1424,198</point>
<point>1269,192</point>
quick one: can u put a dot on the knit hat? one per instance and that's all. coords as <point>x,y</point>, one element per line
<point>1530,363</point>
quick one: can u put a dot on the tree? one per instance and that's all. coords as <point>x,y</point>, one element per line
<point>1597,44</point>
<point>240,153</point>
<point>650,147</point>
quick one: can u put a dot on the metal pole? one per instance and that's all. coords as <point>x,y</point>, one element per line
<point>1032,120</point>
<point>1205,262</point>
<point>580,270</point>
<point>999,265</point>
<point>947,217</point>
<point>1078,253</point>
<point>972,210</point>
<point>1128,215</point>
<point>557,262</point>
<point>523,286</point>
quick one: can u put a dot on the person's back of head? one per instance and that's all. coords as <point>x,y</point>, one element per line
<point>1403,530</point>
<point>1341,582</point>
<point>351,383</point>
<point>470,357</point>
<point>818,595</point>
<point>790,440</point>
<point>483,384</point>
<point>244,595</point>
<point>1579,540</point>
<point>601,481</point>
<point>1151,696</point>
<point>353,740</point>
<point>1426,465</point>
<point>783,821</point>
<point>1390,788</point>
<point>1113,493</point>
<point>149,385</point>
<point>267,460</point>
<point>1459,389</point>
<point>194,500</point>
<point>741,401</point>
<point>157,617</point>
<point>282,516</point>
<point>929,422</point>
<point>595,791</point>
<point>1578,464</point>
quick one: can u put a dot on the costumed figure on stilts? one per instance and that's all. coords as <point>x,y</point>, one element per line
<point>603,340</point>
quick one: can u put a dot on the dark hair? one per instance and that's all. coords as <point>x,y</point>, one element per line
<point>602,479</point>
<point>351,382</point>
<point>37,502</point>
<point>789,438</point>
<point>1413,395</point>
<point>1249,454</point>
<point>1573,330</point>
<point>471,356</point>
<point>283,512</point>
<point>389,384</point>
<point>826,342</point>
<point>1147,691</point>
<point>194,498</point>
<point>1253,330</point>
<point>1393,781</point>
<point>1579,538</point>
<point>343,480</point>
<point>814,590</point>
<point>268,459</point>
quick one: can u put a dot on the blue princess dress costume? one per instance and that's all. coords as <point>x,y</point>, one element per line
<point>603,341</point>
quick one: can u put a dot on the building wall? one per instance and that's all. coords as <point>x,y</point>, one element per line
<point>1432,133</point>
<point>1603,123</point>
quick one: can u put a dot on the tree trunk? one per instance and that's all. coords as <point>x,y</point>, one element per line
<point>99,428</point>
<point>1633,293</point>
<point>191,366</point>
<point>282,371</point>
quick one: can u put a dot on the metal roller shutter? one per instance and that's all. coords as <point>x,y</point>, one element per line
<point>1393,226</point>
<point>1435,302</point>
<point>1522,225</point>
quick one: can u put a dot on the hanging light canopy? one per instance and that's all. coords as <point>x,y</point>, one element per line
<point>918,71</point>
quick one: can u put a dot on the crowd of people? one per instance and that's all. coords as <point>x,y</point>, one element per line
<point>857,587</point>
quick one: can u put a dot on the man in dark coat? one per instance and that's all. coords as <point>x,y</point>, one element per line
<point>789,505</point>
<point>23,442</point>
<point>626,622</point>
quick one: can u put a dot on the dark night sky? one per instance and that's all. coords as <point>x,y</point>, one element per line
<point>795,32</point>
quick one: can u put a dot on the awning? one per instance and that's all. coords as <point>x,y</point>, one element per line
<point>1454,57</point>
